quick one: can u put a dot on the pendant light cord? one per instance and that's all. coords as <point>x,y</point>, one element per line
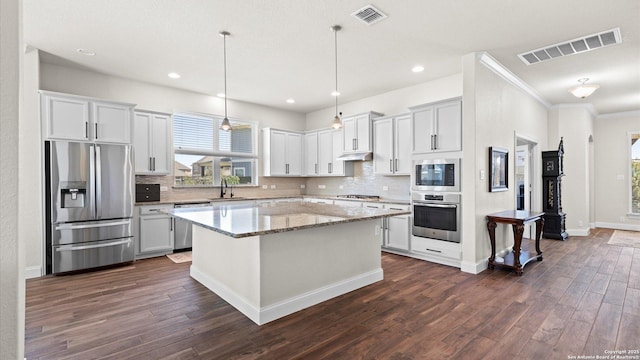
<point>335,31</point>
<point>224,36</point>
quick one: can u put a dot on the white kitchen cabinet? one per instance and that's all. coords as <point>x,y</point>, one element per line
<point>396,229</point>
<point>152,143</point>
<point>326,158</point>
<point>311,153</point>
<point>392,145</point>
<point>357,132</point>
<point>78,118</point>
<point>322,149</point>
<point>282,152</point>
<point>155,231</point>
<point>437,127</point>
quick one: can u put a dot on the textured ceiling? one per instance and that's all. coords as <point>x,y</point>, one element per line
<point>281,49</point>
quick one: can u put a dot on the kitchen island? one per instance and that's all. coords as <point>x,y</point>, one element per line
<point>271,261</point>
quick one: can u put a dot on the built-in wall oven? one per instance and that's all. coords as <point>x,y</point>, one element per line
<point>436,216</point>
<point>436,175</point>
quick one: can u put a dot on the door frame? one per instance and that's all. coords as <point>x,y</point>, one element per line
<point>535,174</point>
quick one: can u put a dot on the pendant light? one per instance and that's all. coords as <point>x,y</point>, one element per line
<point>226,125</point>
<point>337,123</point>
<point>583,90</point>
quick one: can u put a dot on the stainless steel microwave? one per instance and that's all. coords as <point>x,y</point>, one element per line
<point>437,175</point>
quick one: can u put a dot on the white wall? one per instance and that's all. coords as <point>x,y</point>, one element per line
<point>494,110</point>
<point>612,165</point>
<point>575,125</point>
<point>12,289</point>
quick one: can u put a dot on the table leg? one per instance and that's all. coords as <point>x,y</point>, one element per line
<point>491,226</point>
<point>518,229</point>
<point>539,227</point>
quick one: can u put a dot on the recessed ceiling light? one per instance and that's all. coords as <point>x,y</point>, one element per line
<point>173,75</point>
<point>221,95</point>
<point>335,93</point>
<point>86,52</point>
<point>417,69</point>
<point>291,101</point>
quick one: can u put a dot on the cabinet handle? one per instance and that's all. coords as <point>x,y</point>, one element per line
<point>86,130</point>
<point>171,225</point>
<point>150,163</point>
<point>286,170</point>
<point>356,144</point>
<point>395,166</point>
<point>435,251</point>
<point>353,144</point>
<point>316,168</point>
<point>330,168</point>
<point>390,165</point>
<point>96,130</point>
<point>431,142</point>
<point>435,142</point>
<point>154,163</point>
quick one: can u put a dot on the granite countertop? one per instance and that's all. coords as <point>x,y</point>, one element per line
<point>239,199</point>
<point>249,220</point>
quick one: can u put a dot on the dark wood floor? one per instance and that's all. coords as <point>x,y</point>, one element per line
<point>583,299</point>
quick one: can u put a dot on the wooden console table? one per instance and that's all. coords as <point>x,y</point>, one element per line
<point>517,259</point>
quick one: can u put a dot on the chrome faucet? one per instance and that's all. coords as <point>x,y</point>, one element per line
<point>223,190</point>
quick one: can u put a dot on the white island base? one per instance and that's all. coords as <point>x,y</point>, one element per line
<point>267,277</point>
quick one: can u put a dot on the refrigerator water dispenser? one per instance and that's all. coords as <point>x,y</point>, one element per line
<point>73,197</point>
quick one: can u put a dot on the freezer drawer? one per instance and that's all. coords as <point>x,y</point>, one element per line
<point>92,254</point>
<point>81,232</point>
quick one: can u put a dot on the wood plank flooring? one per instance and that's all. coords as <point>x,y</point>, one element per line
<point>583,299</point>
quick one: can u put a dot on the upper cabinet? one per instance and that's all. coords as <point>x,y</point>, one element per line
<point>437,127</point>
<point>322,149</point>
<point>282,152</point>
<point>392,145</point>
<point>152,143</point>
<point>70,117</point>
<point>357,132</point>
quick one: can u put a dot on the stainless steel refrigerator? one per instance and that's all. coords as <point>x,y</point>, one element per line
<point>89,205</point>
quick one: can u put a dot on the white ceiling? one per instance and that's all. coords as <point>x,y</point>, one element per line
<point>281,49</point>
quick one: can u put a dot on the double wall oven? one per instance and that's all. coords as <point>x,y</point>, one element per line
<point>436,199</point>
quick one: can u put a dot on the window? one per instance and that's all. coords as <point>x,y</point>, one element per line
<point>635,173</point>
<point>204,155</point>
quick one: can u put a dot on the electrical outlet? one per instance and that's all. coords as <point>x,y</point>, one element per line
<point>322,186</point>
<point>264,186</point>
<point>273,186</point>
<point>164,188</point>
<point>385,188</point>
<point>341,187</point>
<point>620,177</point>
<point>580,223</point>
<point>302,186</point>
<point>481,174</point>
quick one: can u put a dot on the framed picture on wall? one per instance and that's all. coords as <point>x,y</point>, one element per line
<point>498,169</point>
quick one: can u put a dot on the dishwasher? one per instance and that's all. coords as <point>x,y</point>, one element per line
<point>182,228</point>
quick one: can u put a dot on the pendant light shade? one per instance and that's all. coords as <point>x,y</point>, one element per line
<point>337,123</point>
<point>226,125</point>
<point>583,90</point>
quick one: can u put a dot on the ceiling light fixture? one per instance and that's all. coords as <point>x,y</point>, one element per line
<point>337,123</point>
<point>226,125</point>
<point>173,75</point>
<point>417,69</point>
<point>291,101</point>
<point>86,52</point>
<point>583,90</point>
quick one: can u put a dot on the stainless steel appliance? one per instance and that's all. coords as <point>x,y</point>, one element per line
<point>89,205</point>
<point>182,236</point>
<point>437,175</point>
<point>436,216</point>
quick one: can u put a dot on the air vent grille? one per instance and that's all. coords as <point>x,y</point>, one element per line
<point>369,15</point>
<point>570,47</point>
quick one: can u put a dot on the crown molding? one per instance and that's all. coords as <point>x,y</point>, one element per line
<point>588,107</point>
<point>623,114</point>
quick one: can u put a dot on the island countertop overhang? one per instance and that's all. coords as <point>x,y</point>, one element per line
<point>238,221</point>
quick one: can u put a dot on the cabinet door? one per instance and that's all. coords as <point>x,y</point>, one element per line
<point>311,153</point>
<point>112,122</point>
<point>156,233</point>
<point>160,144</point>
<point>402,145</point>
<point>363,133</point>
<point>294,154</point>
<point>448,126</point>
<point>66,118</point>
<point>278,152</point>
<point>383,159</point>
<point>337,145</point>
<point>325,152</point>
<point>141,143</point>
<point>349,134</point>
<point>398,232</point>
<point>422,130</point>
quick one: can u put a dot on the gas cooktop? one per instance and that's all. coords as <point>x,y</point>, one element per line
<point>357,196</point>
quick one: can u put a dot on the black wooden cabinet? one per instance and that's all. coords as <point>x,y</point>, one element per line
<point>552,173</point>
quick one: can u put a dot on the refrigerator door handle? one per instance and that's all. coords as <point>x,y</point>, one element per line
<point>92,182</point>
<point>85,247</point>
<point>74,226</point>
<point>98,183</point>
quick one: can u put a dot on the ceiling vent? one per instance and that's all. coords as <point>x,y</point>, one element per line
<point>570,47</point>
<point>369,15</point>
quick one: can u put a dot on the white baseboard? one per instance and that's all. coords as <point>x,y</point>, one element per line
<point>618,226</point>
<point>283,308</point>
<point>578,232</point>
<point>474,268</point>
<point>32,272</point>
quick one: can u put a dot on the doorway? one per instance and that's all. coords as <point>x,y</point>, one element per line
<point>525,175</point>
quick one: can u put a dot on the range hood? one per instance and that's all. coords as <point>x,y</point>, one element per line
<point>358,156</point>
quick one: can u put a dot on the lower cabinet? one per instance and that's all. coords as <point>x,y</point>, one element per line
<point>396,232</point>
<point>155,232</point>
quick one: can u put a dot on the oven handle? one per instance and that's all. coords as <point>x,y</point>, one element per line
<point>444,206</point>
